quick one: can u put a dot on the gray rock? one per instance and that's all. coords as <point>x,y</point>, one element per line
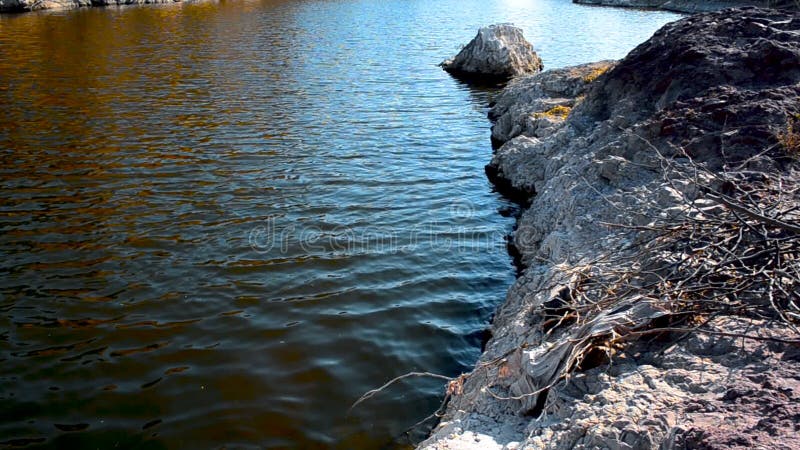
<point>689,6</point>
<point>130,2</point>
<point>536,105</point>
<point>498,51</point>
<point>7,6</point>
<point>34,5</point>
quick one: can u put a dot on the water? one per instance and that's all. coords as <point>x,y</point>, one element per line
<point>224,222</point>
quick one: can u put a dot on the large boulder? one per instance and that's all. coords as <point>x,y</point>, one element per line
<point>498,51</point>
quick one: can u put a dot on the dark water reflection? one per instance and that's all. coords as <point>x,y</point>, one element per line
<point>223,222</point>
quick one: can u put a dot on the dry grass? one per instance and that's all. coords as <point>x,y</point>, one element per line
<point>593,75</point>
<point>790,139</point>
<point>557,112</point>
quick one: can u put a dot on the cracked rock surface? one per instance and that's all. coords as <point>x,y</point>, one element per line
<point>536,105</point>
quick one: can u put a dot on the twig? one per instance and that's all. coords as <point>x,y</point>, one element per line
<point>371,393</point>
<point>754,215</point>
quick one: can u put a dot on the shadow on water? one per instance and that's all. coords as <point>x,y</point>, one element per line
<point>482,91</point>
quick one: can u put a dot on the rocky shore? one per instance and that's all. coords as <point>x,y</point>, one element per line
<point>688,6</point>
<point>658,305</point>
<point>14,6</point>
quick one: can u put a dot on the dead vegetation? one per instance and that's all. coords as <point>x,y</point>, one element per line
<point>790,139</point>
<point>594,74</point>
<point>730,248</point>
<point>557,112</point>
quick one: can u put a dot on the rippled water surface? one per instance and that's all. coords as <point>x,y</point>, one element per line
<point>222,222</point>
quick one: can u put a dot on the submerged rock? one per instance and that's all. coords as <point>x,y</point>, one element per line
<point>498,51</point>
<point>717,91</point>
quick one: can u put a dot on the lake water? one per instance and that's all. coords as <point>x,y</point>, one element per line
<point>223,222</point>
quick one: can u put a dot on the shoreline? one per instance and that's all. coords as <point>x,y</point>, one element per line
<point>590,150</point>
<point>13,7</point>
<point>685,6</point>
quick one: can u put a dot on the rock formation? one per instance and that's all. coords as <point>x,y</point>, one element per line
<point>498,52</point>
<point>600,344</point>
<point>535,105</point>
<point>690,6</point>
<point>35,5</point>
